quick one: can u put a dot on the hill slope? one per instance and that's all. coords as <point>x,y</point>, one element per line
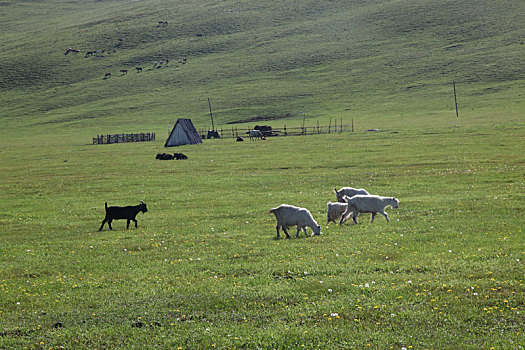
<point>318,58</point>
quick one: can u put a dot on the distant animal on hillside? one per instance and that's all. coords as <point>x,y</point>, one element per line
<point>128,213</point>
<point>162,23</point>
<point>71,50</point>
<point>124,71</point>
<point>239,139</point>
<point>89,53</point>
<point>107,76</point>
<point>139,69</point>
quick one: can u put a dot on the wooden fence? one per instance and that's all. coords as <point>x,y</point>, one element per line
<point>121,138</point>
<point>235,132</point>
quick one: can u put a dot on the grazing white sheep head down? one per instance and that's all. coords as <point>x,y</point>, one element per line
<point>395,203</point>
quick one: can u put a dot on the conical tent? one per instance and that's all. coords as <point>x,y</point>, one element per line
<point>183,133</point>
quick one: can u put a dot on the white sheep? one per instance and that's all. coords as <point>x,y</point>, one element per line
<point>335,211</point>
<point>348,191</point>
<point>288,215</point>
<point>368,204</point>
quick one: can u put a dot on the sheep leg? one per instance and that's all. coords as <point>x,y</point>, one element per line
<point>286,232</point>
<point>373,216</point>
<point>386,216</point>
<point>305,232</point>
<point>135,220</point>
<point>354,216</point>
<point>277,227</point>
<point>127,224</point>
<point>343,218</point>
<point>298,229</point>
<point>109,224</point>
<point>103,222</point>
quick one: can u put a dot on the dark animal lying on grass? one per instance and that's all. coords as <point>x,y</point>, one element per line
<point>119,213</point>
<point>179,156</point>
<point>167,156</point>
<point>164,156</point>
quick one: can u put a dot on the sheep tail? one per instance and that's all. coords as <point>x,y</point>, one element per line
<point>273,210</point>
<point>106,206</point>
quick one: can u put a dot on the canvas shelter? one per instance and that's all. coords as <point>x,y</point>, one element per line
<point>183,133</point>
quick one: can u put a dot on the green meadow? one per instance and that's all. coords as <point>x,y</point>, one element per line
<point>204,268</point>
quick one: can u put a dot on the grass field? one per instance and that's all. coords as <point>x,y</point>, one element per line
<point>204,268</point>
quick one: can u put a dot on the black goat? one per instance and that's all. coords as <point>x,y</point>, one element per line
<point>118,213</point>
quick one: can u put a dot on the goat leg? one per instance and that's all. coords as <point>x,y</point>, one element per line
<point>103,222</point>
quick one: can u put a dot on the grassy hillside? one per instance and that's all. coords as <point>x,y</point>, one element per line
<point>338,58</point>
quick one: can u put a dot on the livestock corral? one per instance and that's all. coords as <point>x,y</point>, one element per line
<point>203,267</point>
<point>269,131</point>
<point>120,138</point>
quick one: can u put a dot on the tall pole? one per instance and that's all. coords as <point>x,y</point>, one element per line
<point>211,115</point>
<point>455,99</point>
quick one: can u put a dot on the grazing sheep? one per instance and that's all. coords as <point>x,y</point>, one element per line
<point>348,191</point>
<point>107,76</point>
<point>139,69</point>
<point>119,213</point>
<point>335,211</point>
<point>288,215</point>
<point>124,71</point>
<point>368,204</point>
